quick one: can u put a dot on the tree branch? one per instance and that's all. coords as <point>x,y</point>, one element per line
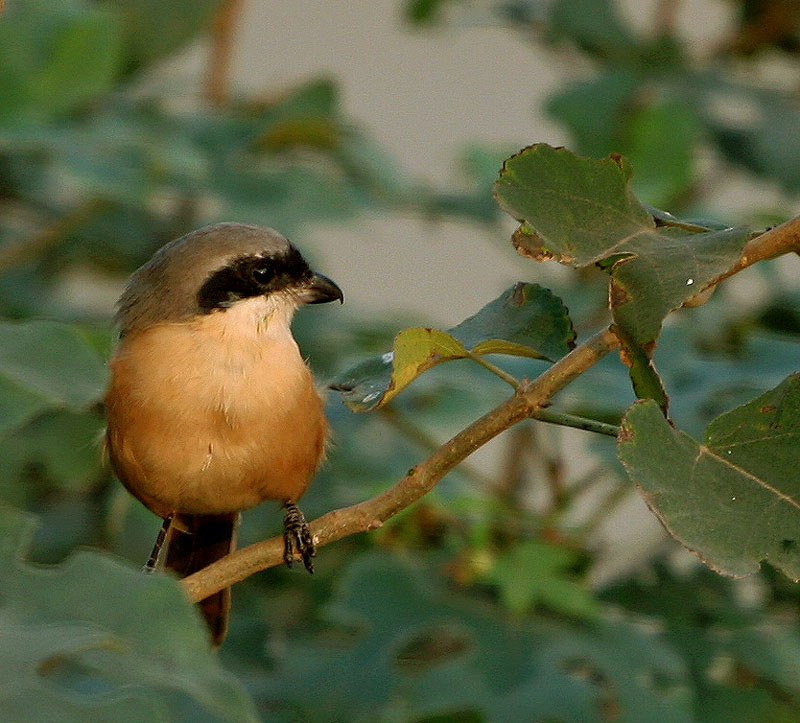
<point>494,369</point>
<point>666,17</point>
<point>222,30</point>
<point>429,444</point>
<point>777,241</point>
<point>372,513</point>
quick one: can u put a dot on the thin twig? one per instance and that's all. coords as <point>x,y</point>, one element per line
<point>372,513</point>
<point>222,29</point>
<point>521,446</point>
<point>666,16</point>
<point>555,476</point>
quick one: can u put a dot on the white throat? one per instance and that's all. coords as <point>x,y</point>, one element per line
<point>269,316</point>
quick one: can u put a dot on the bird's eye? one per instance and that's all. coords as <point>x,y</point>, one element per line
<point>263,274</point>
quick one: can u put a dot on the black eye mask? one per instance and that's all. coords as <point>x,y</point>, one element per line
<point>250,276</point>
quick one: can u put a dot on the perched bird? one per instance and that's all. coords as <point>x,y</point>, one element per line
<point>211,409</point>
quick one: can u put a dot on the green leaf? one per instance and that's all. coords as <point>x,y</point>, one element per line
<point>64,448</point>
<point>424,12</point>
<point>583,211</point>
<point>578,210</point>
<point>772,651</point>
<point>284,195</point>
<point>18,404</point>
<point>596,26</point>
<point>43,58</point>
<point>722,704</point>
<point>317,98</point>
<point>44,365</point>
<point>658,138</point>
<point>68,80</point>
<point>534,573</point>
<point>763,135</point>
<point>431,652</point>
<point>527,320</point>
<point>734,500</point>
<point>661,148</point>
<point>95,639</point>
<point>102,160</point>
<point>593,110</point>
<point>154,29</point>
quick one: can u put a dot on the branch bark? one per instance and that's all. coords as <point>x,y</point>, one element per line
<point>777,241</point>
<point>372,513</point>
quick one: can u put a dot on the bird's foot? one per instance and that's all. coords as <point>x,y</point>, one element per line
<point>297,537</point>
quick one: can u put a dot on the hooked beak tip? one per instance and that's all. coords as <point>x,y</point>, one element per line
<point>321,290</point>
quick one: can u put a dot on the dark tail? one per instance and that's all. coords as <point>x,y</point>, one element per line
<point>193,542</point>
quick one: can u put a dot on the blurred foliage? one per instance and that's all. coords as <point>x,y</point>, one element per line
<point>474,605</point>
<point>68,653</point>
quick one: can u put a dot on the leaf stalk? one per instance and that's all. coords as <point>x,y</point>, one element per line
<point>494,369</point>
<point>551,416</point>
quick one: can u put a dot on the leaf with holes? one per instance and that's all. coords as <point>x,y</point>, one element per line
<point>583,211</point>
<point>527,320</point>
<point>735,499</point>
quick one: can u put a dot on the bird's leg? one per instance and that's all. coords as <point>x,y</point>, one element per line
<point>150,565</point>
<point>297,536</point>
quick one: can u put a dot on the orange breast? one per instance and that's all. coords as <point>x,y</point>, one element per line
<point>212,416</point>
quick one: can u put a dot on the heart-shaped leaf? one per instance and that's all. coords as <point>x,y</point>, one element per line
<point>735,499</point>
<point>583,211</point>
<point>527,320</point>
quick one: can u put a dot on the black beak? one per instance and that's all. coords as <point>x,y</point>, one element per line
<point>320,289</point>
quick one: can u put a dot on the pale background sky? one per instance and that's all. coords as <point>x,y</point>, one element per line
<point>423,95</point>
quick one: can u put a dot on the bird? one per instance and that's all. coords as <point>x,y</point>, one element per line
<point>211,408</point>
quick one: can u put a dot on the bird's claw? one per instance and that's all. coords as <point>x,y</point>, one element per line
<point>297,537</point>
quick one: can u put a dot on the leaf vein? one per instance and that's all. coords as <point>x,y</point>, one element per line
<point>761,483</point>
<point>759,440</point>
